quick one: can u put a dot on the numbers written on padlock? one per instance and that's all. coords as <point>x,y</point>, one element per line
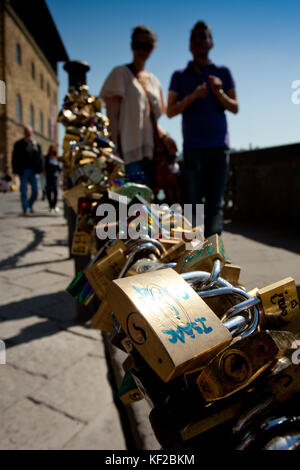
<point>241,362</point>
<point>203,258</point>
<point>166,321</point>
<point>280,305</point>
<point>80,243</point>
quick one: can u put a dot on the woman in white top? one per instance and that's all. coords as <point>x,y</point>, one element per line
<point>130,94</point>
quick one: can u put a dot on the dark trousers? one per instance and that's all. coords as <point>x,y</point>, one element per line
<point>51,189</point>
<point>141,172</point>
<point>204,180</point>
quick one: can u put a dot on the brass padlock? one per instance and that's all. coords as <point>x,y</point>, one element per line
<point>285,384</point>
<point>203,259</point>
<point>100,273</point>
<point>231,273</point>
<point>118,244</point>
<point>280,305</point>
<point>81,243</point>
<point>102,319</point>
<point>173,252</point>
<point>72,195</point>
<point>211,420</point>
<point>241,362</point>
<point>167,322</point>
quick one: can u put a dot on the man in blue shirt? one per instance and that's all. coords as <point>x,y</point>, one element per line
<point>201,93</point>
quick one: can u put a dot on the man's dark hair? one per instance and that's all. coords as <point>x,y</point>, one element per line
<point>199,25</point>
<point>145,30</point>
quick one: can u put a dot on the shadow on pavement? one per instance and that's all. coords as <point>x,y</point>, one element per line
<point>266,234</point>
<point>58,310</point>
<point>11,261</point>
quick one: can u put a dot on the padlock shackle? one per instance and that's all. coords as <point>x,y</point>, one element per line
<point>199,277</point>
<point>235,324</point>
<point>249,304</point>
<point>140,241</point>
<point>214,275</point>
<point>135,251</point>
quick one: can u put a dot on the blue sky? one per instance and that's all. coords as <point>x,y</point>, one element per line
<point>258,41</point>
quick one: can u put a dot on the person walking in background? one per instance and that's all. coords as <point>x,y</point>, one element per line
<point>52,170</point>
<point>201,93</point>
<point>133,98</point>
<point>27,164</point>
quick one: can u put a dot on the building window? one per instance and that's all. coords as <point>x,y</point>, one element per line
<point>42,81</point>
<point>49,129</point>
<point>31,116</point>
<point>18,54</point>
<point>48,89</point>
<point>18,108</point>
<point>41,123</point>
<point>32,70</point>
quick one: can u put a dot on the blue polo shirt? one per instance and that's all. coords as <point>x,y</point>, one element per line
<point>203,121</point>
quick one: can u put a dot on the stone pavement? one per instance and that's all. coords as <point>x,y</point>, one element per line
<point>55,387</point>
<point>58,387</point>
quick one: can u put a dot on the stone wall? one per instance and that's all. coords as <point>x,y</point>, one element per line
<point>38,90</point>
<point>264,185</point>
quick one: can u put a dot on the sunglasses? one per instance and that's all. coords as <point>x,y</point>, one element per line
<point>138,45</point>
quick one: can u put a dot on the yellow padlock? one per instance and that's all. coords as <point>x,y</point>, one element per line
<point>241,362</point>
<point>280,306</point>
<point>203,259</point>
<point>100,273</point>
<point>231,273</point>
<point>102,320</point>
<point>173,252</point>
<point>72,195</point>
<point>167,322</point>
<point>286,384</point>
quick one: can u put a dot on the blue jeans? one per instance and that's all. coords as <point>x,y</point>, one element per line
<point>29,176</point>
<point>205,176</point>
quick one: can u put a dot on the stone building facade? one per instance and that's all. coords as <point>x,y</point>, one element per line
<point>30,48</point>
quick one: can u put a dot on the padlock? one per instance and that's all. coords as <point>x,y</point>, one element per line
<point>174,252</point>
<point>128,391</point>
<point>203,259</point>
<point>231,273</point>
<point>131,190</point>
<point>81,243</point>
<point>115,246</point>
<point>145,265</point>
<point>280,306</point>
<point>72,195</point>
<point>285,384</point>
<point>167,322</point>
<point>211,420</point>
<point>240,363</point>
<point>102,319</point>
<point>136,251</point>
<point>100,273</point>
<point>128,363</point>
